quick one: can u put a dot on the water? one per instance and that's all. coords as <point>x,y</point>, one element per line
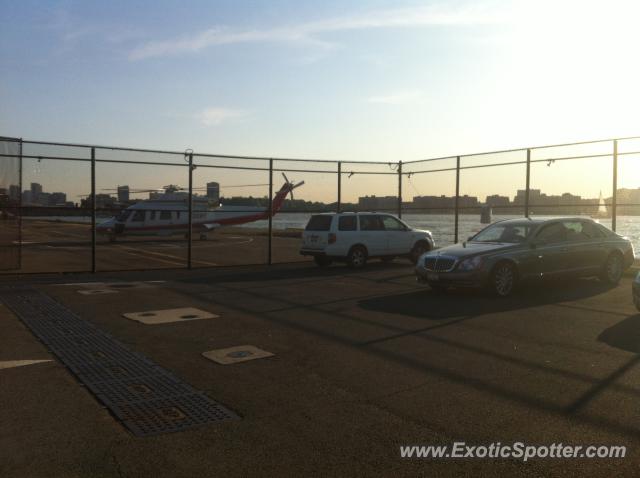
<point>440,225</point>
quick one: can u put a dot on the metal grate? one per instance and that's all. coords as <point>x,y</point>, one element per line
<point>439,263</point>
<point>170,414</point>
<point>148,399</point>
<point>148,387</point>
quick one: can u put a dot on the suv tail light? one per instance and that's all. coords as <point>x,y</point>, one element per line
<point>332,238</point>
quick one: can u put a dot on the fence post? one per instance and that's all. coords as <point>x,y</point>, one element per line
<point>339,205</point>
<point>400,189</point>
<point>20,210</point>
<point>455,234</point>
<point>526,194</point>
<point>270,252</point>
<point>93,210</point>
<point>190,232</point>
<point>614,198</point>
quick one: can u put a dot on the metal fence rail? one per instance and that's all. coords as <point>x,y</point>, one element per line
<point>189,163</point>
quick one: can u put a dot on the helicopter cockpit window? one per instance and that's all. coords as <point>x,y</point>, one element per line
<point>138,216</point>
<point>123,216</point>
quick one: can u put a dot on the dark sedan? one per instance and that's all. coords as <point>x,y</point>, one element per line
<point>507,252</point>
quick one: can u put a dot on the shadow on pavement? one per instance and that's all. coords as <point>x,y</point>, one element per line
<point>624,335</point>
<point>460,302</point>
<point>296,271</point>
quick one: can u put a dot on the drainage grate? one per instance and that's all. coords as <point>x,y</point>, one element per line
<point>81,349</point>
<point>92,372</point>
<point>145,397</point>
<point>170,414</point>
<point>148,387</point>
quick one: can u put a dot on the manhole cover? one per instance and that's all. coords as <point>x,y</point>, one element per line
<point>166,316</point>
<point>232,355</point>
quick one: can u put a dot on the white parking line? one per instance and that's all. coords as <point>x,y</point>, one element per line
<point>20,363</point>
<point>144,253</point>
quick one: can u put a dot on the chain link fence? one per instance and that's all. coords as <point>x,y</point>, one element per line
<point>178,209</point>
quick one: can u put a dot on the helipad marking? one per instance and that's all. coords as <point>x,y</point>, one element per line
<point>240,353</point>
<point>20,363</point>
<point>166,316</point>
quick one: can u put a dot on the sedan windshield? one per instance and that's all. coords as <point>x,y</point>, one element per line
<point>508,233</point>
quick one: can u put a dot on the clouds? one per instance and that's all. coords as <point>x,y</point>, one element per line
<point>308,33</point>
<point>215,116</point>
<point>397,98</point>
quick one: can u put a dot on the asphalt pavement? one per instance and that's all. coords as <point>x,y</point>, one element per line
<point>364,362</point>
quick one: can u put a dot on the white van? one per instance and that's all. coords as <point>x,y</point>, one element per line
<point>355,237</point>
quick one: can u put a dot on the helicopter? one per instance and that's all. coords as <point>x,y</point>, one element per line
<point>166,214</point>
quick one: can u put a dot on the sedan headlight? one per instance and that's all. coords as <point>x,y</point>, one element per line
<point>471,264</point>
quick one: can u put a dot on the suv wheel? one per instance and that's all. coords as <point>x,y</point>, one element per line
<point>419,249</point>
<point>612,270</point>
<point>357,257</point>
<point>504,279</point>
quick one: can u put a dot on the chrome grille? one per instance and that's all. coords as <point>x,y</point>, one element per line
<point>439,263</point>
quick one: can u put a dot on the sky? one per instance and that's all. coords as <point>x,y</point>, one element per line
<point>360,80</point>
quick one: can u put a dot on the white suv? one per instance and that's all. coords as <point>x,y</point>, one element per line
<point>355,237</point>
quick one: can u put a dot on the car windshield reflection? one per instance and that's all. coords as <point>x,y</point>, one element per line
<point>504,233</point>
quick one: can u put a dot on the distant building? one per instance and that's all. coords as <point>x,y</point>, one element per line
<point>374,203</point>
<point>467,201</point>
<point>42,199</point>
<point>628,201</point>
<point>123,194</point>
<point>36,190</point>
<point>534,196</point>
<point>14,192</point>
<point>497,201</point>
<point>57,199</point>
<point>213,192</point>
<point>434,202</point>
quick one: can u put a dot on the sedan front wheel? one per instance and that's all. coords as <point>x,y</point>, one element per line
<point>613,269</point>
<point>504,279</point>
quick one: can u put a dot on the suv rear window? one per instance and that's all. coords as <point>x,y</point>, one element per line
<point>347,223</point>
<point>370,223</point>
<point>319,223</point>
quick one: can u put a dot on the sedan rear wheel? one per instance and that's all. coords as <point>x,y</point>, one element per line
<point>613,269</point>
<point>504,279</point>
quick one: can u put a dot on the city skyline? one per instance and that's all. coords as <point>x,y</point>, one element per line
<point>628,200</point>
